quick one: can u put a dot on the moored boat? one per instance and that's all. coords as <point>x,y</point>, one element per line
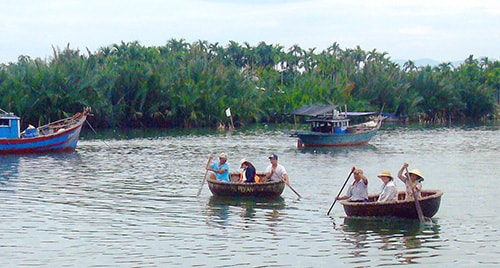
<point>243,189</point>
<point>331,127</point>
<point>58,136</point>
<point>430,202</point>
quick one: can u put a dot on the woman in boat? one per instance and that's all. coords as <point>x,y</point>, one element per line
<point>249,173</point>
<point>389,191</point>
<point>358,190</point>
<point>219,171</point>
<point>413,183</point>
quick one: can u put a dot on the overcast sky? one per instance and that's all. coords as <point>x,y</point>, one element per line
<point>443,30</point>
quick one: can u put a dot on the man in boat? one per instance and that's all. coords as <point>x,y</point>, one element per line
<point>389,191</point>
<point>358,190</point>
<point>220,170</point>
<point>413,181</point>
<point>275,171</point>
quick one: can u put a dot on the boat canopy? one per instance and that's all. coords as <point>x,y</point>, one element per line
<point>329,120</point>
<point>315,110</point>
<point>325,110</point>
<point>358,113</point>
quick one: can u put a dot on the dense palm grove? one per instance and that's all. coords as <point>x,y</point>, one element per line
<point>191,85</point>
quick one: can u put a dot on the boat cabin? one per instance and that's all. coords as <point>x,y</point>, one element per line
<point>337,125</point>
<point>330,118</point>
<point>9,126</point>
<point>325,118</point>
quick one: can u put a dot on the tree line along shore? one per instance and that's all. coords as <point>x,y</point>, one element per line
<point>190,85</point>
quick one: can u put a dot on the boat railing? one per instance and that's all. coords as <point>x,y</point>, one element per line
<point>426,194</point>
<point>243,183</point>
<point>5,113</point>
<point>64,123</point>
<point>374,123</point>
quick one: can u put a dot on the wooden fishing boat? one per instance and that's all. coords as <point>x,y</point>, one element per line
<point>243,189</point>
<point>430,202</point>
<point>331,127</point>
<point>58,136</point>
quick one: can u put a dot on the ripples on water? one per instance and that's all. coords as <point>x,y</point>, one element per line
<point>130,201</point>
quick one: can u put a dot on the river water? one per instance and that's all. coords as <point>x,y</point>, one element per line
<point>129,200</point>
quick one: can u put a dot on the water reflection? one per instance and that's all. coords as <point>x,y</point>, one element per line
<point>387,225</point>
<point>409,239</point>
<point>337,150</point>
<point>17,170</point>
<point>248,202</point>
<point>9,170</point>
<point>247,208</point>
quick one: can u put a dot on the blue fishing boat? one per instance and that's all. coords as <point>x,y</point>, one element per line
<point>58,136</point>
<point>332,127</point>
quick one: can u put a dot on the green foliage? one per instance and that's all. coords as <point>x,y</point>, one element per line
<point>191,85</point>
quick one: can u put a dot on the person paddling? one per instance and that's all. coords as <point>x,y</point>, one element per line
<point>413,183</point>
<point>220,170</point>
<point>358,190</point>
<point>275,171</point>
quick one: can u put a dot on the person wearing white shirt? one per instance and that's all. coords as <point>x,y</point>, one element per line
<point>275,171</point>
<point>389,191</point>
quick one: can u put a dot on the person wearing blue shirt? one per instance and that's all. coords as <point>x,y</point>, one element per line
<point>220,170</point>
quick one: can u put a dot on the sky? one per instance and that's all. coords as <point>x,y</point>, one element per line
<point>442,30</point>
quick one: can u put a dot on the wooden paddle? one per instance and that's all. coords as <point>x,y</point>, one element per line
<point>287,184</point>
<point>205,177</point>
<point>291,188</point>
<point>417,203</point>
<point>346,180</point>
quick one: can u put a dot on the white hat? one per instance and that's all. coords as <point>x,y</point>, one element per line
<point>385,173</point>
<point>223,155</point>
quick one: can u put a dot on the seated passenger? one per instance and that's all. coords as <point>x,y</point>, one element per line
<point>248,174</point>
<point>389,191</point>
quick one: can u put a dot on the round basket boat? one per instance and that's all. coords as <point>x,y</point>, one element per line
<point>242,189</point>
<point>431,199</point>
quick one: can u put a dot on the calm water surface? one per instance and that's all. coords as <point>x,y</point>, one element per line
<point>129,200</point>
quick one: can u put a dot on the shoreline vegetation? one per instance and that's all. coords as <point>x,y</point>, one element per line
<point>191,85</point>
